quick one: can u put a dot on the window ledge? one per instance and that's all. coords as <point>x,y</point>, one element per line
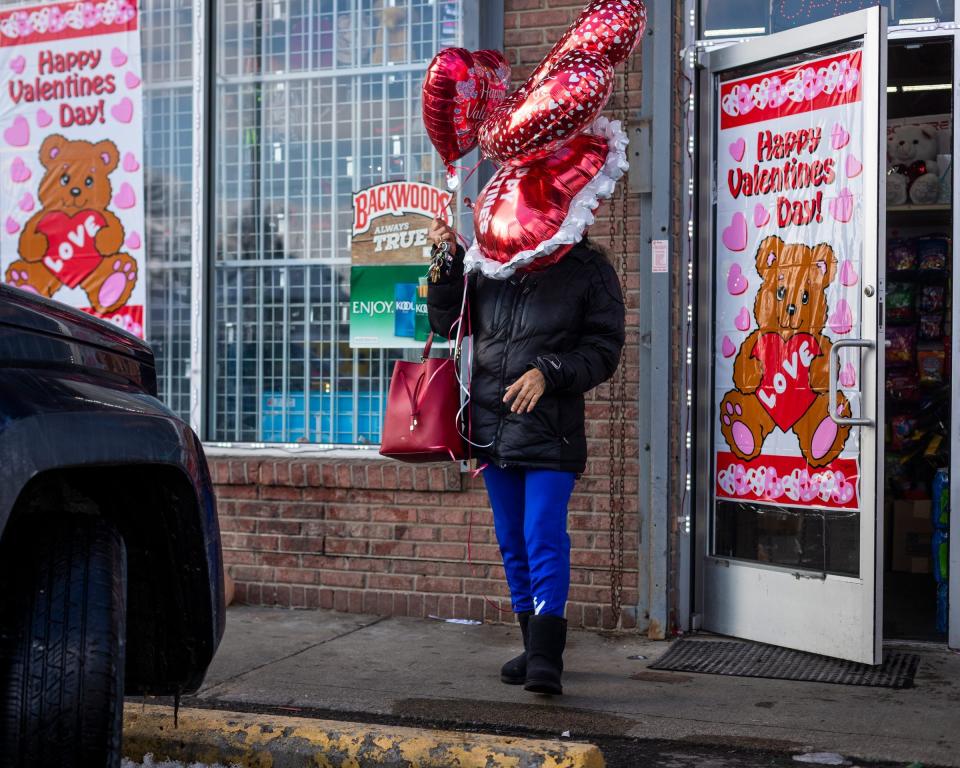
<point>291,451</point>
<point>333,468</point>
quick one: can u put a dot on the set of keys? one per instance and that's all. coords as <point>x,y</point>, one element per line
<point>441,257</point>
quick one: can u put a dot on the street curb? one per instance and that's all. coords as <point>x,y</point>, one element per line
<point>258,741</point>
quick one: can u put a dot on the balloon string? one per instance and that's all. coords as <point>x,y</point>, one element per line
<point>451,169</point>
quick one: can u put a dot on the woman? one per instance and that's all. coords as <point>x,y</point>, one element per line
<point>541,339</point>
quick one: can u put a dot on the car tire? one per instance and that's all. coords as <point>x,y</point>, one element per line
<point>62,646</point>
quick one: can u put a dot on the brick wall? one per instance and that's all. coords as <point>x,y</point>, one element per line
<point>379,537</point>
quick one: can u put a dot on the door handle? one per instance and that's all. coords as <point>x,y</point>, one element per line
<point>834,377</point>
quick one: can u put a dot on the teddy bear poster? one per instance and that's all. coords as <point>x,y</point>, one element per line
<point>789,258</point>
<point>71,156</point>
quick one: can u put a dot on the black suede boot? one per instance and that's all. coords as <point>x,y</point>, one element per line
<point>514,672</point>
<point>548,637</point>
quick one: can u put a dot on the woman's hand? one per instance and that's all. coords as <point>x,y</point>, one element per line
<point>441,232</point>
<point>525,391</point>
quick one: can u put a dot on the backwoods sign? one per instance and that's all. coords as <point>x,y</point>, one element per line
<point>391,220</point>
<point>390,255</point>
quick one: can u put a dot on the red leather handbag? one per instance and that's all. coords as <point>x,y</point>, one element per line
<point>423,417</point>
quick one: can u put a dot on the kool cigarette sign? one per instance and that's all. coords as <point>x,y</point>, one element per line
<point>71,144</point>
<point>390,254</point>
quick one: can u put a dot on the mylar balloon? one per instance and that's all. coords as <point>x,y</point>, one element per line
<point>610,28</point>
<point>531,215</point>
<point>532,124</point>
<point>559,159</point>
<point>458,91</point>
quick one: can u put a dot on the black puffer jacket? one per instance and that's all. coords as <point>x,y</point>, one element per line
<point>566,320</point>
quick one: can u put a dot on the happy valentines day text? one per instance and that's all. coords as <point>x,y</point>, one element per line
<point>64,76</point>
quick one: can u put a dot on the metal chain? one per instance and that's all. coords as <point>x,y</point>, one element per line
<point>621,507</point>
<point>618,397</point>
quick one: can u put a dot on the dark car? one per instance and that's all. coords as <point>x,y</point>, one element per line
<point>111,576</point>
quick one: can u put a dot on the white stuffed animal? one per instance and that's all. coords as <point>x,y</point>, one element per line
<point>909,145</point>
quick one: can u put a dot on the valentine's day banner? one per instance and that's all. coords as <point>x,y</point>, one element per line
<point>71,141</point>
<point>789,250</point>
<point>390,255</point>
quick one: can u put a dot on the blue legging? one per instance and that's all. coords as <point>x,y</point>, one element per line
<point>530,517</point>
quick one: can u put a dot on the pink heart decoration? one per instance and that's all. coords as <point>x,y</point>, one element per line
<point>123,110</point>
<point>125,198</point>
<point>728,348</point>
<point>737,149</point>
<point>760,215</point>
<point>131,80</point>
<point>19,171</point>
<point>43,118</point>
<point>743,320</point>
<point>26,203</point>
<point>842,319</point>
<point>848,377</point>
<point>117,57</point>
<point>848,274</point>
<point>133,241</point>
<point>130,164</point>
<point>839,136</point>
<point>735,235</point>
<point>18,134</point>
<point>841,208</point>
<point>18,64</point>
<point>12,226</point>
<point>854,167</point>
<point>736,282</point>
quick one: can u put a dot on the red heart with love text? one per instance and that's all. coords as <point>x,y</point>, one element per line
<point>785,387</point>
<point>72,252</point>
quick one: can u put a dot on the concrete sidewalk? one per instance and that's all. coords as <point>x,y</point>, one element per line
<point>414,671</point>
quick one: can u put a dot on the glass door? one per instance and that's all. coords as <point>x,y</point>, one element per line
<point>791,296</point>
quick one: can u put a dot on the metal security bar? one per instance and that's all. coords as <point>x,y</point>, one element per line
<point>167,34</point>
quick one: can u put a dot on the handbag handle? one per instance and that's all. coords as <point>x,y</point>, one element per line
<point>464,312</point>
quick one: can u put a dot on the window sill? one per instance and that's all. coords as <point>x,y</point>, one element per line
<point>336,467</point>
<point>291,451</point>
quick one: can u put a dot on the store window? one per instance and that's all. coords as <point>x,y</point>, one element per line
<point>739,18</point>
<point>314,99</point>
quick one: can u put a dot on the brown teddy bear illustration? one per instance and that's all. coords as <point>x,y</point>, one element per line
<point>74,239</point>
<point>781,373</point>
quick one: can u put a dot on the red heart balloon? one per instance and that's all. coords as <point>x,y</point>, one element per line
<point>458,91</point>
<point>530,215</point>
<point>610,28</point>
<point>532,124</point>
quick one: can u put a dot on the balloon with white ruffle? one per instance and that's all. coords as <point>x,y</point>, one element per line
<point>558,157</point>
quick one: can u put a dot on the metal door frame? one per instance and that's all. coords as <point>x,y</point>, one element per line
<point>871,25</point>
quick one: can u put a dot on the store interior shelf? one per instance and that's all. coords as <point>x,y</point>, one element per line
<point>919,214</point>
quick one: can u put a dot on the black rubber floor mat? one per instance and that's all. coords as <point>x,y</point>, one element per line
<point>741,658</point>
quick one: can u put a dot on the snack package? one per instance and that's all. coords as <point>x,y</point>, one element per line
<point>901,345</point>
<point>943,602</point>
<point>903,385</point>
<point>901,256</point>
<point>933,298</point>
<point>931,364</point>
<point>941,556</point>
<point>931,327</point>
<point>933,253</point>
<point>941,499</point>
<point>901,428</point>
<point>900,301</point>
